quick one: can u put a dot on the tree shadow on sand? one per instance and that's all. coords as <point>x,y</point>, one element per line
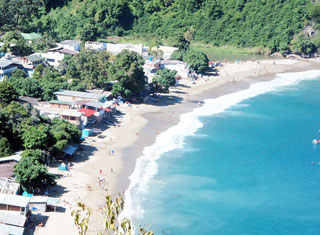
<point>57,191</point>
<point>83,153</point>
<point>178,92</point>
<point>167,100</point>
<point>182,85</point>
<point>36,220</point>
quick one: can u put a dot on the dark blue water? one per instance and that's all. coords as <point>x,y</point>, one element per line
<point>247,171</point>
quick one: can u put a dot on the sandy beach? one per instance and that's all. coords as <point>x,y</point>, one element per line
<point>112,152</point>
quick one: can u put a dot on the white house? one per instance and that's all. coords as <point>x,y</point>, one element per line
<point>73,45</point>
<point>55,55</point>
<point>6,68</point>
<point>53,58</point>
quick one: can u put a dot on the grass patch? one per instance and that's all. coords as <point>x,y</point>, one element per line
<point>210,49</point>
<point>198,46</point>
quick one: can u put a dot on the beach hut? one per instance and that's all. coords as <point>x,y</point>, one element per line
<point>86,133</point>
<point>38,203</point>
<point>69,150</point>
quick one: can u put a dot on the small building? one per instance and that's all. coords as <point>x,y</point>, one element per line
<point>16,203</point>
<point>98,107</point>
<point>6,68</point>
<point>12,223</point>
<point>89,116</point>
<point>29,63</point>
<point>35,59</point>
<point>70,96</point>
<point>52,58</point>
<point>72,116</point>
<point>73,45</point>
<point>38,203</point>
<point>55,55</point>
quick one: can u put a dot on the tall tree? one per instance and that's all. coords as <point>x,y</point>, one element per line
<point>7,93</point>
<point>32,175</point>
<point>128,71</point>
<point>5,148</point>
<point>35,137</point>
<point>163,80</point>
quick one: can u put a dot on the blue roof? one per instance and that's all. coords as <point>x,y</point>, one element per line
<point>69,150</point>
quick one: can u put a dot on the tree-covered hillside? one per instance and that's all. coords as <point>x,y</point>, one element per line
<point>244,23</point>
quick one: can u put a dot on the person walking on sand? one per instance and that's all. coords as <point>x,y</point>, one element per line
<point>100,172</point>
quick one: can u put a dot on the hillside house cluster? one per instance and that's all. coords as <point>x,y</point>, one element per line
<point>54,56</point>
<point>16,210</point>
<point>80,108</point>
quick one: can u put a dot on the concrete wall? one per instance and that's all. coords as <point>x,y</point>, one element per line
<point>71,98</point>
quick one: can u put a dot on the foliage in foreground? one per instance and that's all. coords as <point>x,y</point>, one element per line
<point>111,223</point>
<point>95,69</point>
<point>43,84</point>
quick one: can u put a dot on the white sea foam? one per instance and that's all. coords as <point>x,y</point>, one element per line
<point>146,166</point>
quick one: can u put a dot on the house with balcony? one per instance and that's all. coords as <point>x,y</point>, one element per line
<point>14,212</point>
<point>54,56</point>
<point>29,63</point>
<point>6,68</point>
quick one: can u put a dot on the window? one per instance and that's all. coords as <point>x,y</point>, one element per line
<point>72,118</point>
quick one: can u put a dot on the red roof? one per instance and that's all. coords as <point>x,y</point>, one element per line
<point>113,39</point>
<point>87,112</point>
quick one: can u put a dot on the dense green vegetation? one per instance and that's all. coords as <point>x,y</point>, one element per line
<point>21,128</point>
<point>31,173</point>
<point>197,60</point>
<point>43,84</point>
<point>272,24</point>
<point>95,69</point>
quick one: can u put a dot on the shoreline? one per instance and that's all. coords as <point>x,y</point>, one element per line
<point>189,103</point>
<point>139,128</point>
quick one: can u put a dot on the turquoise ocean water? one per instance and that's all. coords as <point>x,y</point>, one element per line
<point>241,164</point>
